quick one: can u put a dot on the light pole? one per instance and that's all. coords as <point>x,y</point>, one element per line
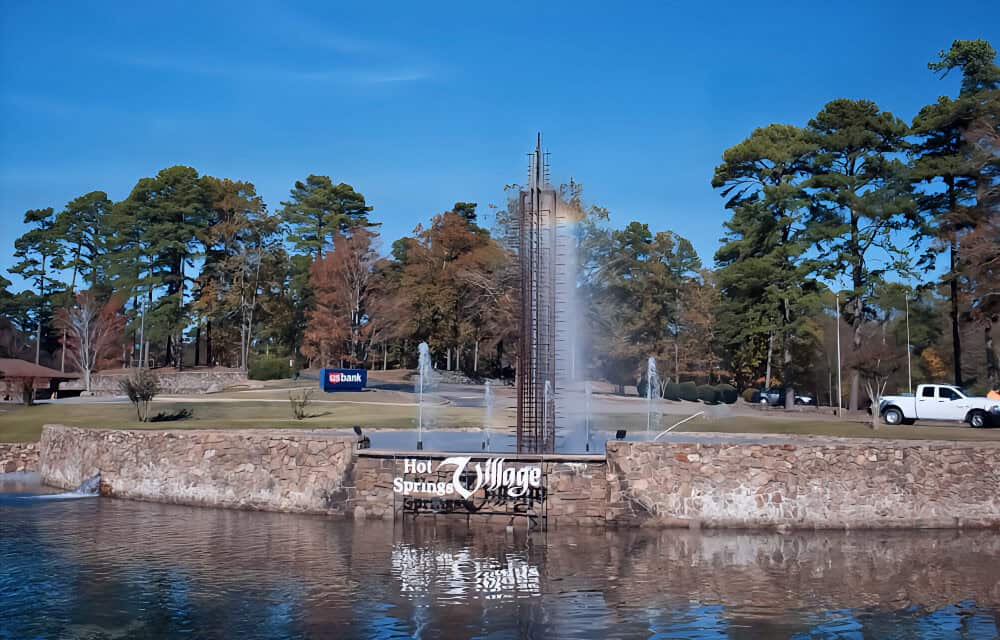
<point>840,392</point>
<point>142,329</point>
<point>909,368</point>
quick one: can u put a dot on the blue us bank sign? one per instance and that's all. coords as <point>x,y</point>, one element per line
<point>343,379</point>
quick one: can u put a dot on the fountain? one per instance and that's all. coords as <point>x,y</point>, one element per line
<point>652,391</point>
<point>425,372</point>
<point>587,392</point>
<point>89,488</point>
<point>547,348</point>
<point>487,414</point>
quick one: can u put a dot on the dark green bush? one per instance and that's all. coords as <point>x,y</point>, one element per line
<point>672,391</point>
<point>270,369</point>
<point>708,394</point>
<point>689,391</point>
<point>748,394</point>
<point>640,387</point>
<point>727,393</point>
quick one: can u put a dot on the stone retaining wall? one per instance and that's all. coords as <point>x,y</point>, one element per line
<point>170,381</point>
<point>718,481</point>
<point>807,482</point>
<point>18,456</point>
<point>576,486</point>
<point>274,470</point>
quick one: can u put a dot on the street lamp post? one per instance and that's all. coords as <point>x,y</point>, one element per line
<point>909,368</point>
<point>840,392</point>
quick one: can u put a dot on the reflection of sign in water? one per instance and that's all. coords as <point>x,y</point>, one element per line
<point>421,570</point>
<point>459,485</point>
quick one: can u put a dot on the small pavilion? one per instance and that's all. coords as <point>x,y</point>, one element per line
<point>20,376</point>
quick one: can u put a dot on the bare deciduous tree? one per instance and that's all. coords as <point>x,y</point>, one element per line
<point>92,332</point>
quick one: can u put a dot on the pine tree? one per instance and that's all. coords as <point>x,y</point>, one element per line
<point>237,244</point>
<point>319,209</point>
<point>959,145</point>
<point>859,182</point>
<point>766,281</point>
<point>40,258</point>
<point>945,155</point>
<point>160,227</point>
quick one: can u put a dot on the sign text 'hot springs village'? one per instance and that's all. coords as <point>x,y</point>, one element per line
<point>493,475</point>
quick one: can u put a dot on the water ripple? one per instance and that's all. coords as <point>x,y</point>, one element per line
<point>104,568</point>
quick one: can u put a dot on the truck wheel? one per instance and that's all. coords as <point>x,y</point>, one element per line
<point>893,415</point>
<point>977,419</point>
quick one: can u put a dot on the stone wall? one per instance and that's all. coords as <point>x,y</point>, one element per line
<point>274,470</point>
<point>18,456</point>
<point>806,482</point>
<point>171,382</point>
<point>710,481</point>
<point>576,486</point>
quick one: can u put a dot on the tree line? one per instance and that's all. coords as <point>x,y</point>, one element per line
<point>860,200</point>
<point>890,226</point>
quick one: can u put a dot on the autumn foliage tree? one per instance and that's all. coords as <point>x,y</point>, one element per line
<point>340,326</point>
<point>452,272</point>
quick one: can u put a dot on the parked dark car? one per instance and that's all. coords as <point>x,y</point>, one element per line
<point>776,398</point>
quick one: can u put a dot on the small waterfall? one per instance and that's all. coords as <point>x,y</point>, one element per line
<point>652,391</point>
<point>587,411</point>
<point>487,414</point>
<point>426,379</point>
<point>89,488</point>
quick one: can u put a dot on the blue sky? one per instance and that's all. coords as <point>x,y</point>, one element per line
<point>419,105</point>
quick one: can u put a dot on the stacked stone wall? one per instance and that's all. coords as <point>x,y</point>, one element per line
<point>576,486</point>
<point>716,481</point>
<point>171,382</point>
<point>18,457</point>
<point>806,483</point>
<point>274,470</point>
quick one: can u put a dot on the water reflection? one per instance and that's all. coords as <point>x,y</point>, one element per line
<point>115,569</point>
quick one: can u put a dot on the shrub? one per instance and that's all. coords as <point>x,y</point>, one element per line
<point>727,393</point>
<point>689,391</point>
<point>270,369</point>
<point>140,387</point>
<point>672,391</point>
<point>748,394</point>
<point>708,394</point>
<point>300,402</point>
<point>641,386</point>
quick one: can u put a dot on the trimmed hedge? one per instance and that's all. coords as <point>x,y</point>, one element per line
<point>270,369</point>
<point>689,391</point>
<point>708,394</point>
<point>748,394</point>
<point>727,393</point>
<point>672,391</point>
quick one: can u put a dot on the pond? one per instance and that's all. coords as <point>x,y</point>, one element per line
<point>101,568</point>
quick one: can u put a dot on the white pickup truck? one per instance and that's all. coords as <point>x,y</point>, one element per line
<point>940,402</point>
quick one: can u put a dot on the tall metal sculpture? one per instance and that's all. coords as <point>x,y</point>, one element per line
<point>546,268</point>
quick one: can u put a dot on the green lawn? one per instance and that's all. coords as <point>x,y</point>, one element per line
<point>24,424</point>
<point>845,428</point>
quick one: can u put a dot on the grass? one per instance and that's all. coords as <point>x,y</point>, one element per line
<point>24,424</point>
<point>842,428</point>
